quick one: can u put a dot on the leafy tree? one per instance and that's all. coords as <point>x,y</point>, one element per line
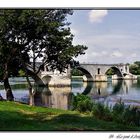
<point>36,35</point>
<point>76,72</point>
<point>134,68</point>
<point>137,63</point>
<point>21,73</point>
<point>9,65</point>
<point>110,72</point>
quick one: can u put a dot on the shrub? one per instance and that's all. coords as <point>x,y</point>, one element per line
<point>126,114</point>
<point>82,103</point>
<point>118,112</point>
<point>102,112</point>
<point>132,116</point>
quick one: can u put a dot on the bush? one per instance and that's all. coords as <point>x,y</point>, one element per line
<point>132,116</point>
<point>82,103</point>
<point>118,112</point>
<point>102,112</point>
<point>126,114</point>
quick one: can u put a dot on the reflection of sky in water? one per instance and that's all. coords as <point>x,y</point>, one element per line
<point>17,93</point>
<point>19,88</point>
<point>77,86</point>
<point>109,89</point>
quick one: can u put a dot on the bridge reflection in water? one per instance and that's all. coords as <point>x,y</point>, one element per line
<point>53,97</point>
<point>106,92</point>
<point>111,92</point>
<point>61,97</point>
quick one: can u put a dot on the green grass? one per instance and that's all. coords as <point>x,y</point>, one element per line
<point>16,116</point>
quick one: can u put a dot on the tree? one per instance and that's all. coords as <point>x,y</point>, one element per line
<point>137,63</point>
<point>76,72</point>
<point>9,67</point>
<point>134,69</point>
<point>34,35</point>
<point>110,72</point>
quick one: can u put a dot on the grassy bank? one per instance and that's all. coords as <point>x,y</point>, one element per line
<point>16,116</point>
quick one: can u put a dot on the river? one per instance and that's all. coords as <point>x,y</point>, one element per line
<point>108,93</point>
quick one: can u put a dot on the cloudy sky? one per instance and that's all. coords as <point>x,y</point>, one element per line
<point>112,36</point>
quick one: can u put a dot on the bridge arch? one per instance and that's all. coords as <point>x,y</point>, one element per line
<point>88,75</point>
<point>46,79</point>
<point>117,71</point>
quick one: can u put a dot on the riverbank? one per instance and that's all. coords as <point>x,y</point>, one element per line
<point>16,116</point>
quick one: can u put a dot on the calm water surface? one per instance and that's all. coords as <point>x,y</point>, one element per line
<point>61,97</point>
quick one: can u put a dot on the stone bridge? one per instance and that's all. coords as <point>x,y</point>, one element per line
<point>97,72</point>
<point>92,72</point>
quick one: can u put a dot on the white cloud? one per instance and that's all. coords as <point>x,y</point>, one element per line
<point>117,54</point>
<point>96,16</point>
<point>94,54</point>
<point>111,47</point>
<point>134,55</point>
<point>104,53</point>
<point>98,53</point>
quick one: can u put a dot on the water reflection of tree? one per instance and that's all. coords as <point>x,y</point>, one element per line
<point>40,96</point>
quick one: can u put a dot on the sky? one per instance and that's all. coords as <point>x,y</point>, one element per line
<point>112,36</point>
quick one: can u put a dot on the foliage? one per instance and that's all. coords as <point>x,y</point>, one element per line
<point>120,113</point>
<point>126,114</point>
<point>9,63</point>
<point>40,34</point>
<point>76,72</point>
<point>132,116</point>
<point>135,68</point>
<point>117,112</point>
<point>21,73</point>
<point>110,72</point>
<point>27,36</point>
<point>102,112</point>
<point>82,103</point>
<point>137,63</point>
